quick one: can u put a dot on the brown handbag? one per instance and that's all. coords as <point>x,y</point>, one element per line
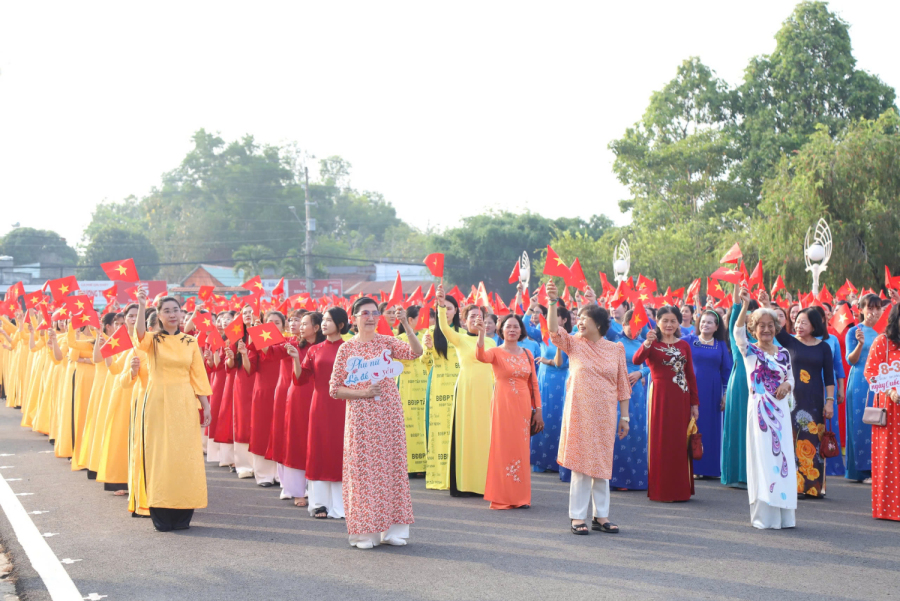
<point>875,416</point>
<point>695,441</point>
<point>828,444</point>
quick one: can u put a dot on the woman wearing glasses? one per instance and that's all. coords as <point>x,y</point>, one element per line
<point>376,481</point>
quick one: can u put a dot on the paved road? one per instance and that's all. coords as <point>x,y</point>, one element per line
<point>250,545</point>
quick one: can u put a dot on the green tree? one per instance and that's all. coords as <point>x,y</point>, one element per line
<point>253,260</point>
<point>28,245</point>
<point>114,243</point>
<point>853,182</point>
<point>128,214</point>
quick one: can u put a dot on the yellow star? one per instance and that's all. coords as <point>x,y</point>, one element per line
<point>206,321</point>
<point>559,261</point>
<point>638,320</point>
<point>265,336</point>
<point>63,289</point>
<point>258,285</point>
<point>79,304</point>
<point>62,311</point>
<point>642,285</point>
<point>644,297</point>
<point>113,342</point>
<point>122,269</point>
<point>85,318</point>
<point>731,271</point>
<point>843,318</point>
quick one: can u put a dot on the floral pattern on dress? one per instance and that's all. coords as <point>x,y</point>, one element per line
<point>676,360</point>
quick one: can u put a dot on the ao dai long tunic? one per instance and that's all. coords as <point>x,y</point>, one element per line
<point>375,485</point>
<point>277,436</point>
<point>442,377</point>
<point>770,449</point>
<point>296,417</point>
<point>325,446</point>
<point>859,435</point>
<point>712,368</point>
<point>516,394</point>
<point>472,410</point>
<point>734,432</point>
<point>266,369</point>
<point>674,391</point>
<point>813,370</point>
<point>168,423</point>
<point>552,382</point>
<point>834,466</point>
<point>630,456</point>
<point>598,381</point>
<point>885,439</point>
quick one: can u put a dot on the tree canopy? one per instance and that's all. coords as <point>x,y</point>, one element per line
<point>28,245</point>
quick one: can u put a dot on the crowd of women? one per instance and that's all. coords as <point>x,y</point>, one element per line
<point>604,399</point>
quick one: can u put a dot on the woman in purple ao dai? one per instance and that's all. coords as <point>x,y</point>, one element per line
<point>771,472</point>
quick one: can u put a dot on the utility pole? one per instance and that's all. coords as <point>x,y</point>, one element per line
<point>310,228</point>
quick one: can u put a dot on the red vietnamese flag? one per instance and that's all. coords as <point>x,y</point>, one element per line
<point>79,303</point>
<point>383,328</point>
<point>481,296</point>
<point>499,308</point>
<point>132,292</point>
<point>725,302</point>
<point>882,323</point>
<point>45,313</point>
<point>204,322</point>
<point>514,307</point>
<point>852,288</point>
<point>514,276</point>
<point>779,285</point>
<point>825,296</point>
<point>62,287</point>
<point>9,307</point>
<point>396,297</point>
<point>278,290</point>
<point>842,318</point>
<point>234,331</point>
<point>423,321</point>
<point>265,335</point>
<point>638,318</point>
<point>727,274</point>
<point>545,328</point>
<point>206,292</point>
<point>543,299</point>
<point>121,271</point>
<point>679,293</point>
<point>566,298</point>
<point>577,278</point>
<point>733,255</point>
<point>455,293</point>
<point>254,285</point>
<point>435,264</point>
<point>430,294</point>
<point>606,286</point>
<point>891,283</point>
<point>87,318</point>
<point>416,298</point>
<point>554,266</point>
<point>214,341</point>
<point>189,305</point>
<point>694,289</point>
<point>619,296</point>
<point>645,285</point>
<point>714,289</point>
<point>111,293</point>
<point>15,291</point>
<point>842,292</point>
<point>285,307</point>
<point>118,342</point>
<point>756,278</point>
<point>33,299</point>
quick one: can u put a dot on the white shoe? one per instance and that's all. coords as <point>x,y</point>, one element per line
<point>243,475</point>
<point>396,541</point>
<point>284,496</point>
<point>366,544</point>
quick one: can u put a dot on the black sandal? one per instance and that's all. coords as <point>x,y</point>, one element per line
<point>320,513</point>
<point>608,527</point>
<point>580,529</point>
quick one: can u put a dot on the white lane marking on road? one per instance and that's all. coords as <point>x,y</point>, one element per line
<point>58,582</point>
<point>45,451</point>
<point>7,454</point>
<point>94,597</point>
<point>6,467</point>
<point>68,561</point>
<point>36,512</point>
<point>49,534</point>
<point>23,494</point>
<point>13,479</point>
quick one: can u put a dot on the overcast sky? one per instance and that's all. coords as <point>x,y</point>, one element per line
<point>446,108</point>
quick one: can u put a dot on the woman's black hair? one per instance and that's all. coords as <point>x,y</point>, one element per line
<point>667,310</point>
<point>753,305</point>
<point>598,315</point>
<point>339,316</point>
<point>816,321</point>
<point>869,300</point>
<point>892,330</point>
<point>492,317</point>
<point>690,307</point>
<point>365,300</point>
<point>821,312</point>
<point>411,314</point>
<point>563,313</point>
<point>280,316</point>
<point>107,320</point>
<point>316,319</point>
<point>506,318</point>
<point>438,339</point>
<point>721,328</point>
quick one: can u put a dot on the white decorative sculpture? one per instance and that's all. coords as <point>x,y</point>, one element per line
<point>817,252</point>
<point>621,261</point>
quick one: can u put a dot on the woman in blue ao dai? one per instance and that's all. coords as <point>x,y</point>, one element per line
<point>771,472</point>
<point>552,384</point>
<point>712,366</point>
<point>630,453</point>
<point>859,435</point>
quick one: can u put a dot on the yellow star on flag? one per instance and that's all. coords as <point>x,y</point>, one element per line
<point>236,328</point>
<point>62,311</point>
<point>258,285</point>
<point>559,261</point>
<point>79,304</point>
<point>265,336</point>
<point>85,318</point>
<point>638,320</point>
<point>113,342</point>
<point>122,269</point>
<point>644,297</point>
<point>843,318</point>
<point>63,289</point>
